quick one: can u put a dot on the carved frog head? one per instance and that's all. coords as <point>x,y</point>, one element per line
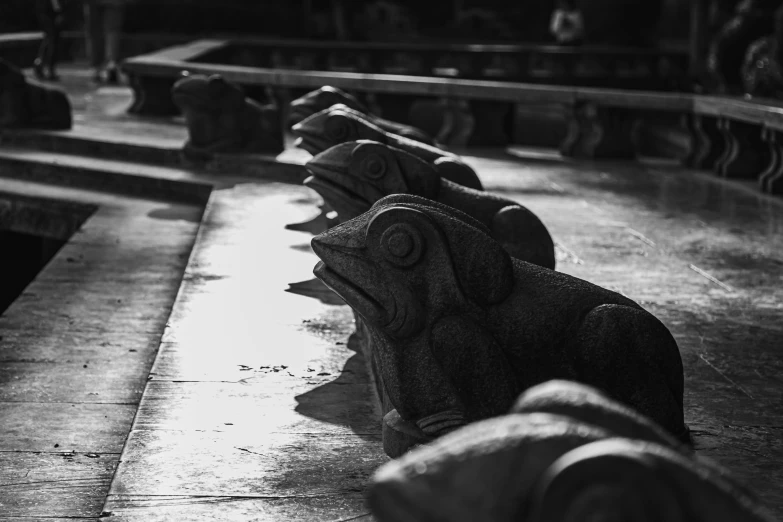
<point>352,176</point>
<point>487,470</point>
<point>334,125</point>
<point>340,124</point>
<point>207,93</point>
<point>409,261</point>
<point>566,453</point>
<point>319,100</point>
<point>212,108</point>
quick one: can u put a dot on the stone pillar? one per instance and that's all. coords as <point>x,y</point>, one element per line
<point>596,132</point>
<point>771,178</point>
<point>707,143</point>
<point>745,156</point>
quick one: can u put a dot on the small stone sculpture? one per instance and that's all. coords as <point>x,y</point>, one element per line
<point>339,124</point>
<point>25,103</point>
<point>566,453</point>
<point>752,20</point>
<point>352,176</point>
<point>459,328</point>
<point>221,119</point>
<point>761,72</point>
<point>327,96</point>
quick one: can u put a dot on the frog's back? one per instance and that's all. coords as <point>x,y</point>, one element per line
<point>546,307</point>
<point>417,148</point>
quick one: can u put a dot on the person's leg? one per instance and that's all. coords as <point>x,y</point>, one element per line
<point>93,32</point>
<point>114,17</point>
<point>46,23</point>
<point>54,46</point>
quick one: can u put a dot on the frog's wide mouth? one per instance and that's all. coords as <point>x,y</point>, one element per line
<point>366,305</point>
<point>310,141</point>
<point>299,112</point>
<point>347,203</point>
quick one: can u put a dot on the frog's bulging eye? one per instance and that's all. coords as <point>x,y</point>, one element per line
<point>402,244</point>
<point>338,129</point>
<point>374,166</point>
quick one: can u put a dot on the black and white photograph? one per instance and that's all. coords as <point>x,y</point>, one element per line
<point>391,260</point>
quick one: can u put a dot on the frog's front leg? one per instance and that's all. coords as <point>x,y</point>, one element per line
<point>457,375</point>
<point>415,384</point>
<point>475,365</point>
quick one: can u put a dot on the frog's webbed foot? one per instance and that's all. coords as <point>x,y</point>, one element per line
<point>477,368</point>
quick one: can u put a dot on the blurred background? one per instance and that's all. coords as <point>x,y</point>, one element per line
<point>614,22</point>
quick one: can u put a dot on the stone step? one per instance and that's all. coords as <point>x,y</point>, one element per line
<point>121,144</point>
<point>100,143</point>
<point>124,177</point>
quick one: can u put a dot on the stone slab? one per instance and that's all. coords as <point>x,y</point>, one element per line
<point>53,486</point>
<point>76,349</point>
<point>191,509</point>
<point>84,428</point>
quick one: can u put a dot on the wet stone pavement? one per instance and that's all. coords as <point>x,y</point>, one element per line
<point>257,408</point>
<point>257,402</point>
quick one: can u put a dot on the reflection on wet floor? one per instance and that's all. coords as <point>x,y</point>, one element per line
<point>317,290</point>
<point>320,223</point>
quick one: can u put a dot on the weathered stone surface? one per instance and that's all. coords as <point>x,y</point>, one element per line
<point>221,119</point>
<point>459,328</point>
<point>352,176</point>
<point>565,453</point>
<point>27,104</point>
<point>327,96</point>
<point>340,124</point>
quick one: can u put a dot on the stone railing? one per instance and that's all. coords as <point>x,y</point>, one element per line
<point>735,137</point>
<point>585,65</point>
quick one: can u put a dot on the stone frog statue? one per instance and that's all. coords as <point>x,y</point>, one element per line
<point>327,96</point>
<point>221,119</point>
<point>352,176</point>
<point>339,124</point>
<point>565,453</point>
<point>27,104</point>
<point>459,328</point>
<point>761,71</point>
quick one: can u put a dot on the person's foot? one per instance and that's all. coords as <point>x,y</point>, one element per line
<point>112,75</point>
<point>38,69</point>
